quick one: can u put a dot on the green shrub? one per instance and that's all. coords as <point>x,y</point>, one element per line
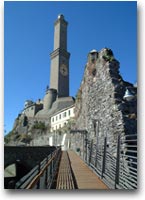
<point>39,125</point>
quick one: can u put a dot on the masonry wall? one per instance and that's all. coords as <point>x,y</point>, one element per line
<point>100,108</point>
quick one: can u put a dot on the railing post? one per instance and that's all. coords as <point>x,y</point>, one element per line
<point>38,183</point>
<point>90,156</point>
<point>96,156</point>
<point>86,150</point>
<point>50,171</point>
<point>46,173</point>
<point>104,157</point>
<point>117,162</point>
<point>96,130</point>
<point>83,147</point>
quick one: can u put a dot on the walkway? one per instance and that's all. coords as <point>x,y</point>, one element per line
<point>84,177</point>
<point>65,177</point>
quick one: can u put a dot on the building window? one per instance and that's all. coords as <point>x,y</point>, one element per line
<point>52,119</point>
<point>64,123</point>
<point>60,116</point>
<point>56,118</point>
<point>69,112</point>
<point>64,114</point>
<point>59,125</point>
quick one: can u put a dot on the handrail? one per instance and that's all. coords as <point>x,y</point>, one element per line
<point>36,178</point>
<point>32,179</point>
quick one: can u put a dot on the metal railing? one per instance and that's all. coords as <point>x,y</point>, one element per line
<point>42,175</point>
<point>115,165</point>
<point>114,160</point>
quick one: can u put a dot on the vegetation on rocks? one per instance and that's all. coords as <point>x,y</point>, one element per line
<point>108,55</point>
<point>79,95</point>
<point>8,137</point>
<point>39,125</point>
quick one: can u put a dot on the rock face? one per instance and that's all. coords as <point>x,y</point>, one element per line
<point>100,108</point>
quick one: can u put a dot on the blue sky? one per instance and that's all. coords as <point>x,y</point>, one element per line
<point>29,38</point>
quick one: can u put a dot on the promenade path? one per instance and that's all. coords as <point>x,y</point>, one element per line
<point>73,168</point>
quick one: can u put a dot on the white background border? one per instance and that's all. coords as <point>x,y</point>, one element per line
<point>111,194</point>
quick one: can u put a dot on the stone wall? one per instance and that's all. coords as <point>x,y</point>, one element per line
<point>100,108</point>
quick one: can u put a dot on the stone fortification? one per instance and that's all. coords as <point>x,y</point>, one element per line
<point>100,108</point>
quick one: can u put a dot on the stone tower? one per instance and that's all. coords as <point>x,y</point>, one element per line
<point>59,75</point>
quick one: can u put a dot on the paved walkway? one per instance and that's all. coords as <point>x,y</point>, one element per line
<point>85,177</point>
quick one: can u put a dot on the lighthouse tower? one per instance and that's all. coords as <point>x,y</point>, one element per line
<point>59,75</point>
<point>57,95</point>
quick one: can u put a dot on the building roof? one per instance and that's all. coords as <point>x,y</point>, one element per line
<point>60,104</point>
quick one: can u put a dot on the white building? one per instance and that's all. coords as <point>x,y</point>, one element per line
<point>60,119</point>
